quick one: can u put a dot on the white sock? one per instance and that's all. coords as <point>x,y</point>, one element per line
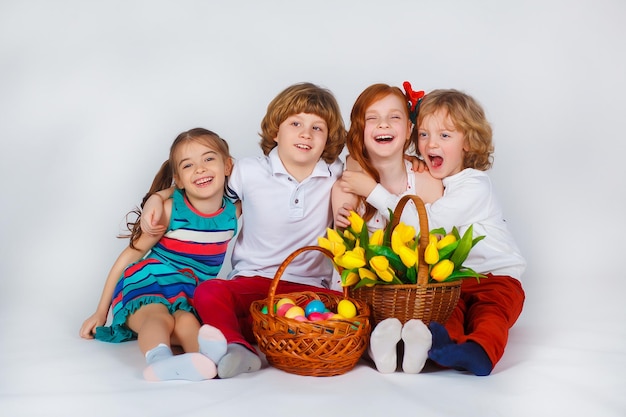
<point>212,342</point>
<point>383,345</point>
<point>158,353</point>
<point>417,342</point>
<point>237,360</point>
<point>188,366</point>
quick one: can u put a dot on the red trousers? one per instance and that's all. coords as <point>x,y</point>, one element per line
<point>225,304</point>
<point>485,313</point>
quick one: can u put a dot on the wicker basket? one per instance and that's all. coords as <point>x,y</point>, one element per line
<point>423,301</point>
<point>312,348</point>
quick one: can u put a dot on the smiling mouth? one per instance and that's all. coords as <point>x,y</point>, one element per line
<point>203,181</point>
<point>303,146</point>
<point>383,138</point>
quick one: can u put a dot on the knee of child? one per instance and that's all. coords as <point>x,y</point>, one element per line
<point>186,321</point>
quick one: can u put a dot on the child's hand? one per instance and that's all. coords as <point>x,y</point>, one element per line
<point>358,183</point>
<point>88,329</point>
<point>341,219</point>
<point>418,165</point>
<point>150,216</point>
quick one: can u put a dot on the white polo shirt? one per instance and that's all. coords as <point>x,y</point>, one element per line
<point>280,215</point>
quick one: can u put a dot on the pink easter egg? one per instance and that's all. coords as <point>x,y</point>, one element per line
<point>315,316</point>
<point>283,309</point>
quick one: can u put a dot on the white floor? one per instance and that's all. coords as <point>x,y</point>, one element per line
<point>47,370</point>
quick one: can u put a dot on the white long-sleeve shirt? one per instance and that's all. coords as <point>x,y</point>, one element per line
<point>468,198</point>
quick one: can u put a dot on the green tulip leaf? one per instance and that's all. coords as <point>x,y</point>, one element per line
<point>411,276</point>
<point>394,259</point>
<point>464,247</point>
<point>447,251</point>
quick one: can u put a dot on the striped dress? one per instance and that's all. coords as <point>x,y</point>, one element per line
<point>191,251</point>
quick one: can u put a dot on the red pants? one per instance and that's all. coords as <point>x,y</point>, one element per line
<point>485,313</point>
<point>225,304</point>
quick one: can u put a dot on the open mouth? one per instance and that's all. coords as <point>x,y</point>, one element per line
<point>435,161</point>
<point>303,146</point>
<point>383,138</point>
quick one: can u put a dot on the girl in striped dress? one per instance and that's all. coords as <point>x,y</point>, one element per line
<point>150,287</point>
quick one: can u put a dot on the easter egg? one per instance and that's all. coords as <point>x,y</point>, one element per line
<point>264,310</point>
<point>315,316</point>
<point>346,308</point>
<point>284,301</point>
<point>294,311</point>
<point>328,315</point>
<point>283,309</point>
<point>314,306</point>
<point>300,318</point>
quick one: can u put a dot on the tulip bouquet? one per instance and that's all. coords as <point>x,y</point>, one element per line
<point>391,255</point>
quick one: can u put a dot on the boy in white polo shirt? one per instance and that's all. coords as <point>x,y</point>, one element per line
<point>285,197</point>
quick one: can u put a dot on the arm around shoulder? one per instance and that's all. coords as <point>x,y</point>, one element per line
<point>153,210</point>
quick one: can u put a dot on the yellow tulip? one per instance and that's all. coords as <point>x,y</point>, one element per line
<point>445,241</point>
<point>324,243</point>
<point>431,254</point>
<point>352,259</point>
<point>365,273</point>
<point>405,232</point>
<point>380,265</point>
<point>348,235</point>
<point>333,235</point>
<point>377,237</point>
<point>351,279</point>
<point>337,249</point>
<point>401,235</point>
<point>442,270</point>
<point>407,256</point>
<point>356,221</point>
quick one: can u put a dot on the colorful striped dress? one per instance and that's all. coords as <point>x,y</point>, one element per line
<point>191,251</point>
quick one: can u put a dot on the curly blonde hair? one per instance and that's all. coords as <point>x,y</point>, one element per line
<point>468,116</point>
<point>305,98</point>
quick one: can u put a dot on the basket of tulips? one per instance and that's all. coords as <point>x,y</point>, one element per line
<point>399,273</point>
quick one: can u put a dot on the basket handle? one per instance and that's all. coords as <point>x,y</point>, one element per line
<point>422,267</point>
<point>283,266</point>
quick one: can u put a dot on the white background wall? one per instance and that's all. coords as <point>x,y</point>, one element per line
<point>93,93</point>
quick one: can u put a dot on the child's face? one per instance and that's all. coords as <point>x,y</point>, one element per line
<point>301,139</point>
<point>201,171</point>
<point>442,146</point>
<point>387,128</point>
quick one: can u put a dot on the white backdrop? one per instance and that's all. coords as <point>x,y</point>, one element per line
<point>93,93</point>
